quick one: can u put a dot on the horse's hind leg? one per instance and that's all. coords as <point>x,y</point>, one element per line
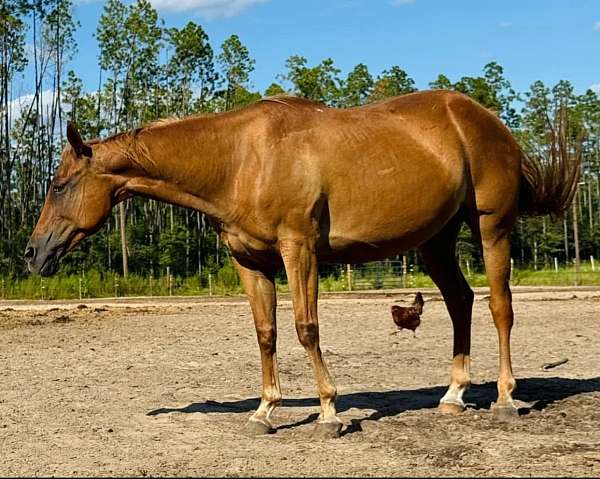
<point>442,266</point>
<point>495,238</point>
<point>260,289</point>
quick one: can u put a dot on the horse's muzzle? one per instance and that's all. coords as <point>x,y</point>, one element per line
<point>42,256</point>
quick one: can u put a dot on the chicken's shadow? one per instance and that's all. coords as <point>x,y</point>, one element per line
<point>539,392</point>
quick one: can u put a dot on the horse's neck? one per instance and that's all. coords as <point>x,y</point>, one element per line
<point>188,163</point>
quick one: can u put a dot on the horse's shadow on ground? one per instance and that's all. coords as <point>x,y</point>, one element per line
<point>538,392</point>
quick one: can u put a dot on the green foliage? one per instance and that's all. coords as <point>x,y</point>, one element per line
<point>172,249</point>
<point>318,83</point>
<point>237,66</point>
<point>190,70</point>
<point>357,86</point>
<point>442,82</point>
<point>12,39</point>
<point>392,82</point>
<point>274,89</point>
<point>59,31</point>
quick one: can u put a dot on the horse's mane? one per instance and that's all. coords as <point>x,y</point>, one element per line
<point>128,136</point>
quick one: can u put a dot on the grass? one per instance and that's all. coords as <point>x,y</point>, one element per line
<point>94,284</point>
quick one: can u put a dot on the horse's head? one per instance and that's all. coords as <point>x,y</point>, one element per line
<point>78,202</point>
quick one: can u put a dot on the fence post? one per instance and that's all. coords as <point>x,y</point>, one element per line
<point>591,261</point>
<point>555,264</point>
<point>3,291</point>
<point>209,284</point>
<point>512,266</point>
<point>169,282</point>
<point>468,269</point>
<point>349,276</point>
<point>80,292</point>
<point>404,270</point>
<point>42,287</point>
<point>116,286</point>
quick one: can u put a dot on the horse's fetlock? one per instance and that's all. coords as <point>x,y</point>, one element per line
<point>272,397</point>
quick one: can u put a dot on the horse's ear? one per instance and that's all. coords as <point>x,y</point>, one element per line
<point>81,149</point>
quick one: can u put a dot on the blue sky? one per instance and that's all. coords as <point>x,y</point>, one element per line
<point>544,40</point>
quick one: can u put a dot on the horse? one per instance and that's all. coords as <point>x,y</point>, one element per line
<point>291,183</point>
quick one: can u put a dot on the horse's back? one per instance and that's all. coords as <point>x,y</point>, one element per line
<point>387,176</point>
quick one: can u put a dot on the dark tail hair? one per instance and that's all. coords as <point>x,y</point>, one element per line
<point>549,180</point>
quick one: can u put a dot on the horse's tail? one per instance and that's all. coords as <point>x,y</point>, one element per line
<point>549,181</point>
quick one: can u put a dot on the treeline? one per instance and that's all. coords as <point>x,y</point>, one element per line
<point>147,70</point>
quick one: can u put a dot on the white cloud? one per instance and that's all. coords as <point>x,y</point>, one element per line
<point>401,2</point>
<point>207,8</point>
<point>595,87</point>
<point>505,24</point>
<point>597,26</point>
<point>20,105</point>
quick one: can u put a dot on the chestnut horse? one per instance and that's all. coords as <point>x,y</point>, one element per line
<point>290,182</point>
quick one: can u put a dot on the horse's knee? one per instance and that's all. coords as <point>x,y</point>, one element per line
<point>308,333</point>
<point>499,305</point>
<point>267,338</point>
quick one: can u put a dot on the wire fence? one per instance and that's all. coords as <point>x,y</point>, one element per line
<point>387,274</point>
<point>399,273</point>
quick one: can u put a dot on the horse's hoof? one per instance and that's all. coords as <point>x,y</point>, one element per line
<point>446,407</point>
<point>505,413</point>
<point>255,428</point>
<point>326,430</point>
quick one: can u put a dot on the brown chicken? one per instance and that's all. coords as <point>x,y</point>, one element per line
<point>409,317</point>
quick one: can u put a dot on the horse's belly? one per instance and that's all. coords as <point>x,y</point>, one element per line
<point>384,225</point>
<point>381,241</point>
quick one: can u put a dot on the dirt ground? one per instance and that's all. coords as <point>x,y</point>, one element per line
<point>164,387</point>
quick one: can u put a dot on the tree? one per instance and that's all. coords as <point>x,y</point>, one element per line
<point>318,83</point>
<point>535,112</point>
<point>12,61</point>
<point>358,86</point>
<point>392,82</point>
<point>130,41</point>
<point>274,89</point>
<point>481,91</point>
<point>442,82</point>
<point>191,68</point>
<point>503,92</point>
<point>237,65</point>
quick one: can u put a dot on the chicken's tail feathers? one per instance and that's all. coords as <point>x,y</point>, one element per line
<point>419,303</point>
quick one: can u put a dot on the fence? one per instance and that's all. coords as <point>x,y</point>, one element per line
<point>402,274</point>
<point>392,273</point>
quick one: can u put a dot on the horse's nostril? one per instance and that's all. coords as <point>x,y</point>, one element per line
<point>29,253</point>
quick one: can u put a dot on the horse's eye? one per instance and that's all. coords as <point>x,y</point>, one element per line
<point>58,188</point>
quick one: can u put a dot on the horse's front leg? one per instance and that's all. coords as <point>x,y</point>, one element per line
<point>300,262</point>
<point>260,289</point>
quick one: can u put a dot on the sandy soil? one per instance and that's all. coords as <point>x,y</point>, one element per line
<point>164,387</point>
